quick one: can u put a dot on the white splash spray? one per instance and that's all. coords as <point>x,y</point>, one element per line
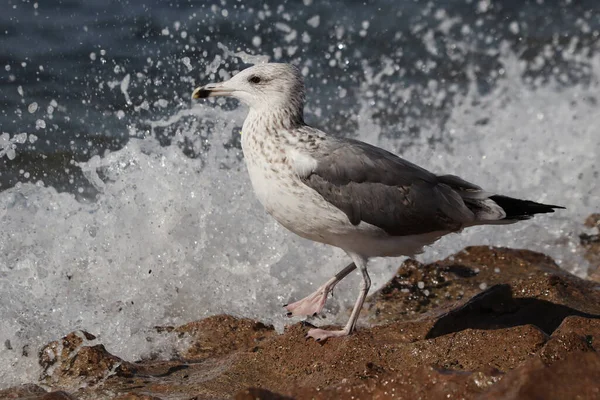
<point>172,239</point>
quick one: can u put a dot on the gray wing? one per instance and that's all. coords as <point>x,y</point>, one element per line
<point>375,186</point>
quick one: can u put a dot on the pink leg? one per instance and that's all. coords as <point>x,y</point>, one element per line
<point>314,303</point>
<point>322,334</point>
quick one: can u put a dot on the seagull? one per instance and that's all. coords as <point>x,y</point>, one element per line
<point>346,193</point>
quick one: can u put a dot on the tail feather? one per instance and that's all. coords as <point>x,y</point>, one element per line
<point>491,208</point>
<point>517,209</point>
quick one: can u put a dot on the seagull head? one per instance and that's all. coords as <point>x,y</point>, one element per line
<point>270,86</point>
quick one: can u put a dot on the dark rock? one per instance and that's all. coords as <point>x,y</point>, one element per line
<point>77,360</point>
<point>135,396</point>
<point>534,290</point>
<point>575,334</point>
<point>59,395</point>
<point>575,377</point>
<point>28,391</point>
<point>33,392</point>
<point>591,244</point>
<point>259,394</point>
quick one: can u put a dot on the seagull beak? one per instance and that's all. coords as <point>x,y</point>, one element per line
<point>211,90</point>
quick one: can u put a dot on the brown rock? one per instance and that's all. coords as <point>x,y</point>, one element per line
<point>591,244</point>
<point>533,289</point>
<point>587,328</point>
<point>415,383</point>
<point>593,221</point>
<point>59,395</point>
<point>576,377</point>
<point>259,394</point>
<point>76,360</point>
<point>135,396</point>
<point>487,313</point>
<point>221,335</point>
<point>28,391</point>
<point>288,361</point>
<point>33,392</point>
<point>575,334</point>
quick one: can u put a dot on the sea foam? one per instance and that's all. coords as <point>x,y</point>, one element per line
<point>171,239</point>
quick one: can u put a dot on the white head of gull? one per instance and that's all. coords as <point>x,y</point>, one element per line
<point>346,193</point>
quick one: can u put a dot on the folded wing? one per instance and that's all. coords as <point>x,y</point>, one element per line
<point>375,186</point>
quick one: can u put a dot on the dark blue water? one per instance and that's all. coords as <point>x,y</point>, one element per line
<point>73,56</point>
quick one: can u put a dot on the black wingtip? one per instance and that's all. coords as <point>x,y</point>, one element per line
<point>523,209</point>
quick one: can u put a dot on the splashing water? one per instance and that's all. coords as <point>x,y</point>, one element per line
<point>171,238</point>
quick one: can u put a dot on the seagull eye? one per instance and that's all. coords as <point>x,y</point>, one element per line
<point>254,79</point>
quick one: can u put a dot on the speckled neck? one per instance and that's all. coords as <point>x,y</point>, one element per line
<point>269,122</point>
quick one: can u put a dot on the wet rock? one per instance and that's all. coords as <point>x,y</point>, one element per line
<point>77,360</point>
<point>33,392</point>
<point>533,289</point>
<point>22,392</point>
<point>416,383</point>
<point>259,394</point>
<point>593,221</point>
<point>575,377</point>
<point>591,244</point>
<point>58,395</point>
<point>220,335</point>
<point>575,334</point>
<point>135,396</point>
<point>494,323</point>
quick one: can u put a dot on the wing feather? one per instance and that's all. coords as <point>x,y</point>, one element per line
<point>375,186</point>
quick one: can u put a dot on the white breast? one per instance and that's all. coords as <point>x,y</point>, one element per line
<point>275,172</point>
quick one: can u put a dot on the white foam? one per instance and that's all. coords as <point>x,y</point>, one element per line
<point>540,144</point>
<point>210,247</point>
<point>124,86</point>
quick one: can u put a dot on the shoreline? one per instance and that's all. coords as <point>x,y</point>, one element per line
<point>484,323</point>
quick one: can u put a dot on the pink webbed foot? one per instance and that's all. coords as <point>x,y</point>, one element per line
<point>310,305</point>
<point>321,335</point>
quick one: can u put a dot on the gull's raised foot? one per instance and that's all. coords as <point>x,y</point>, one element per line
<point>321,335</point>
<point>310,305</point>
